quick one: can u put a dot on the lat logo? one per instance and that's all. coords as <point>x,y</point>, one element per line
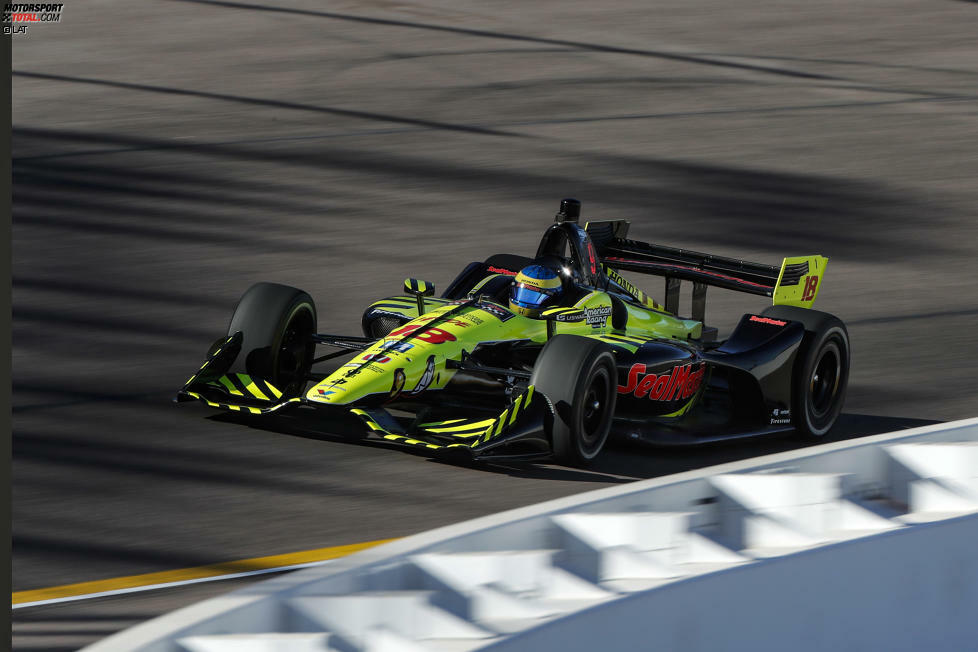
<point>15,15</point>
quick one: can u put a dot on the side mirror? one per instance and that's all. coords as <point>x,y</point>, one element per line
<point>419,290</point>
<point>562,315</point>
<point>415,287</point>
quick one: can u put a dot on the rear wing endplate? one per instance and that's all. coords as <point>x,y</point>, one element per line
<point>794,283</point>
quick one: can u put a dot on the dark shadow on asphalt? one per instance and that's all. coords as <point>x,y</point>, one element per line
<point>150,461</point>
<point>695,203</point>
<point>277,104</point>
<point>479,33</point>
<point>350,431</point>
<point>60,548</point>
<point>842,62</point>
<point>941,314</point>
<point>620,462</point>
<point>642,462</point>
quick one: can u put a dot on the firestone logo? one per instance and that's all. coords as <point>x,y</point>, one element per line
<point>682,383</point>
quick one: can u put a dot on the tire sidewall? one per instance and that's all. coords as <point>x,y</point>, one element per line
<point>263,315</point>
<point>820,327</point>
<point>831,336</point>
<point>296,386</point>
<point>602,366</point>
<point>565,370</point>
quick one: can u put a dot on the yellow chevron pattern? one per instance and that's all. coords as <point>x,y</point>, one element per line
<point>245,385</point>
<point>242,408</point>
<point>628,342</point>
<point>379,430</point>
<point>508,417</point>
<point>416,286</point>
<point>207,362</point>
<point>479,431</point>
<point>643,298</point>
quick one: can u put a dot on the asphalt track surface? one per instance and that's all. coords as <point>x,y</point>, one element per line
<point>169,154</point>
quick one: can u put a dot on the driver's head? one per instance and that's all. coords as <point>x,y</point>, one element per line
<point>536,287</point>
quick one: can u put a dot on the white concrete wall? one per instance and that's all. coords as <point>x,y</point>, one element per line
<point>913,590</point>
<point>869,544</point>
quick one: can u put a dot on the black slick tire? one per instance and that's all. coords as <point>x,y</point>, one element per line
<point>821,372</point>
<point>276,322</point>
<point>579,376</point>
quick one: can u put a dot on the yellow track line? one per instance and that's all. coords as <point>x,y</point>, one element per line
<point>189,574</point>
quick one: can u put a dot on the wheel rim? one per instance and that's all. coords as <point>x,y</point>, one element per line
<point>594,412</point>
<point>295,352</point>
<point>823,387</point>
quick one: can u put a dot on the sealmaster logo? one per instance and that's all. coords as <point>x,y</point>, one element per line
<point>20,15</point>
<point>681,383</point>
<point>500,270</point>
<point>768,320</point>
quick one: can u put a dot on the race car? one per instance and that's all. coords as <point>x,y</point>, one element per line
<point>548,356</point>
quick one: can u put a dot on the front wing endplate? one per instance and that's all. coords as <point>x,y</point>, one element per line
<point>522,417</point>
<point>213,385</point>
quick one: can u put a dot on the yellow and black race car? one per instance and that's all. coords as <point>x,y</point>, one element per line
<point>548,356</point>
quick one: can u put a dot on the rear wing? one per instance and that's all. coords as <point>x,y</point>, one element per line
<point>794,283</point>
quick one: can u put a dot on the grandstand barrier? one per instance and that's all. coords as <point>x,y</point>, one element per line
<point>867,544</point>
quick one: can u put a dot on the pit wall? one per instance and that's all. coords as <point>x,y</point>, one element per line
<point>858,545</point>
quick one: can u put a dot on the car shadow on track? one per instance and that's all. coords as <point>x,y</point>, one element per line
<point>620,462</point>
<point>350,431</point>
<point>642,462</point>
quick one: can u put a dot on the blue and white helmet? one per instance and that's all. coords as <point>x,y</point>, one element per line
<point>536,287</point>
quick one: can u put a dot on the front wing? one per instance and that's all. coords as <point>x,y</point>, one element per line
<point>523,421</point>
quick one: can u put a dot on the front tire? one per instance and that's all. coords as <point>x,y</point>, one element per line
<point>821,372</point>
<point>276,322</point>
<point>579,376</point>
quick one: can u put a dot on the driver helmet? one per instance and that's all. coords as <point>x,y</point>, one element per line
<point>535,288</point>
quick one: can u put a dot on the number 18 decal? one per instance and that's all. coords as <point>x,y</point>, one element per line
<point>811,284</point>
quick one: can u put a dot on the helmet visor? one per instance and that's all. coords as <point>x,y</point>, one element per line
<point>531,296</point>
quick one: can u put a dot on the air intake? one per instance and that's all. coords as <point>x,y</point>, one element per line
<point>570,211</point>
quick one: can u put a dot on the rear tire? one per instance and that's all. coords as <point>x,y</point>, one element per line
<point>821,372</point>
<point>276,322</point>
<point>579,376</point>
